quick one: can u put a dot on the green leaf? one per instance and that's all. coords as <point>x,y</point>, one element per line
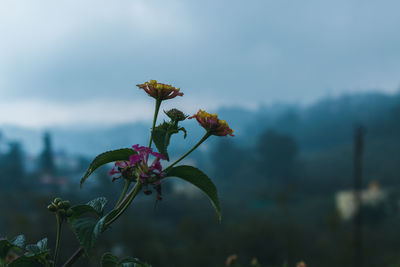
<point>200,180</point>
<point>19,241</point>
<point>25,261</point>
<point>88,230</point>
<point>109,260</point>
<point>6,245</point>
<point>162,136</point>
<point>98,204</point>
<point>107,157</point>
<point>41,260</point>
<point>35,255</point>
<point>83,228</point>
<point>36,249</point>
<point>133,262</point>
<point>95,206</point>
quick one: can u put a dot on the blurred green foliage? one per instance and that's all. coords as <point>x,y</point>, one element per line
<point>277,194</point>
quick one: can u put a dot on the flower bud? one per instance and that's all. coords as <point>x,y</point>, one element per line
<point>62,212</point>
<point>52,207</point>
<point>69,213</point>
<point>66,204</point>
<point>176,115</point>
<point>57,200</point>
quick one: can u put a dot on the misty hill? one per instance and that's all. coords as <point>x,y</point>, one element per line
<point>322,125</point>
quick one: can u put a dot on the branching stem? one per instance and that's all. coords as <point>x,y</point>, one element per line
<point>204,138</point>
<point>126,187</point>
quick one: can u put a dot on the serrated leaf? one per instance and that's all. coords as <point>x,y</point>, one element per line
<point>35,249</point>
<point>98,228</point>
<point>83,228</point>
<point>36,254</point>
<point>161,141</point>
<point>88,230</point>
<point>107,157</point>
<point>19,241</point>
<point>162,136</point>
<point>95,206</point>
<point>133,262</point>
<point>108,217</point>
<point>109,260</point>
<point>5,246</point>
<point>25,261</point>
<point>79,210</point>
<point>200,180</point>
<point>98,204</point>
<point>41,260</point>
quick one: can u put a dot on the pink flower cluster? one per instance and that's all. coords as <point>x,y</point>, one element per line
<point>138,165</point>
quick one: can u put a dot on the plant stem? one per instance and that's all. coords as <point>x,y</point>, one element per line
<point>59,224</point>
<point>190,151</point>
<point>78,253</point>
<point>125,203</point>
<point>120,208</point>
<point>124,200</point>
<point>157,109</point>
<point>126,187</point>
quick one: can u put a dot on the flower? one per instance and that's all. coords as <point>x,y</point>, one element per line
<point>212,123</point>
<point>160,91</point>
<point>301,264</point>
<point>231,259</point>
<point>140,161</point>
<point>138,167</point>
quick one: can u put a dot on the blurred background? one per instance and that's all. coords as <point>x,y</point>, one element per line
<point>294,79</point>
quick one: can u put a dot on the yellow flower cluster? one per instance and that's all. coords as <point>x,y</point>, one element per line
<point>212,123</point>
<point>160,91</point>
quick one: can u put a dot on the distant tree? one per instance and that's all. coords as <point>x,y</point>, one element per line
<point>227,160</point>
<point>277,153</point>
<point>47,157</point>
<point>12,166</point>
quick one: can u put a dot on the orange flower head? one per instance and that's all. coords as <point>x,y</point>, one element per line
<point>160,91</point>
<point>231,259</point>
<point>301,264</point>
<point>212,123</point>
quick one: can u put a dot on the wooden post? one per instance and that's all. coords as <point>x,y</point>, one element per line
<point>357,186</point>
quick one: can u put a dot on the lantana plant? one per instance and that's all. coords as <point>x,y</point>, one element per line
<point>141,169</point>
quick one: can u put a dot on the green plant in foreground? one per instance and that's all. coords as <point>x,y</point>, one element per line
<point>132,165</point>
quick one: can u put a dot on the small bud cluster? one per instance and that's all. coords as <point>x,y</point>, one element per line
<point>176,115</point>
<point>62,208</point>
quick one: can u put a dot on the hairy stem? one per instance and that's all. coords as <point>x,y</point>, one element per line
<point>120,208</point>
<point>59,224</point>
<point>190,151</point>
<point>125,203</point>
<point>78,253</point>
<point>126,187</point>
<point>157,109</point>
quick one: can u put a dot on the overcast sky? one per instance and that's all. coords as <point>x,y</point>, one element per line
<point>67,62</point>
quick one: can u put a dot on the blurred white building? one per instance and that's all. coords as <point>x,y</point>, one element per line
<point>346,204</point>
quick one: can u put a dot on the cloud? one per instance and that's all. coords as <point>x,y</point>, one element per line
<point>39,113</point>
<point>226,52</point>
